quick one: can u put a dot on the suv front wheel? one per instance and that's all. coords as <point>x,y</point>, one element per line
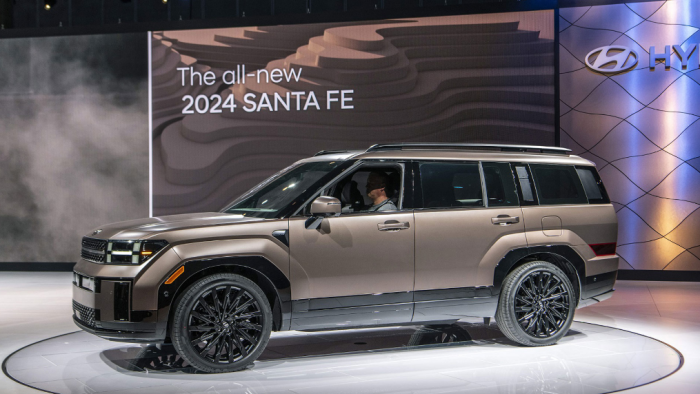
<point>536,305</point>
<point>221,323</point>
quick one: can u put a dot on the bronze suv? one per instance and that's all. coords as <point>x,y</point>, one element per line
<point>399,234</point>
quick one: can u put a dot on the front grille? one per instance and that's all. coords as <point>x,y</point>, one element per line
<point>90,256</point>
<point>85,314</point>
<point>94,244</point>
<point>93,249</point>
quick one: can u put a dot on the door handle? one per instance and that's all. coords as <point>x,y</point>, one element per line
<point>505,220</point>
<point>393,225</point>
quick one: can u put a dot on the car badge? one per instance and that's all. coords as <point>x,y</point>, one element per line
<point>611,59</point>
<point>96,232</point>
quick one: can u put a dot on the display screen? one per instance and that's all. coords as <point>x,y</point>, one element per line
<point>230,107</point>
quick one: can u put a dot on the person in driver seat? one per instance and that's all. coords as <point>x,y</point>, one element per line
<point>376,190</point>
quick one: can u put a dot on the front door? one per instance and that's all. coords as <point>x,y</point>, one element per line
<point>355,269</point>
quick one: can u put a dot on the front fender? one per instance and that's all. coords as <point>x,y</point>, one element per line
<point>148,288</point>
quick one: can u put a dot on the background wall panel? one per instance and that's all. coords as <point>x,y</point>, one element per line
<point>639,125</point>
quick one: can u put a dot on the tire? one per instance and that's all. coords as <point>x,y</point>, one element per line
<point>221,323</point>
<point>536,305</point>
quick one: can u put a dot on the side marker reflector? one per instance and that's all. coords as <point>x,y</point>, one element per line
<point>607,249</point>
<point>175,275</point>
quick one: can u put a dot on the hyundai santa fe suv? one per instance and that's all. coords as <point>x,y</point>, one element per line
<point>397,234</point>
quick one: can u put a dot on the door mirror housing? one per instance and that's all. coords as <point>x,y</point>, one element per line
<point>322,207</point>
<point>325,206</point>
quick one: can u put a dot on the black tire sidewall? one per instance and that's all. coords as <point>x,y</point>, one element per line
<point>186,302</point>
<point>506,304</point>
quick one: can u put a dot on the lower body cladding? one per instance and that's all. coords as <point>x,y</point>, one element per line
<point>420,307</point>
<point>430,306</point>
<point>104,308</point>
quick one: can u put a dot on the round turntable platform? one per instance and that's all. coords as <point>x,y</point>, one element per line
<point>463,357</point>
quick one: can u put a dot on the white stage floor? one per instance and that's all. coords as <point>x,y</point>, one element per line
<point>592,359</point>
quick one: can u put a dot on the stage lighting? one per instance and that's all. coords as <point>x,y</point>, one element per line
<point>165,1</point>
<point>48,4</point>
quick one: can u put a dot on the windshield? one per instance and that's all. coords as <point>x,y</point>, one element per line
<point>284,191</point>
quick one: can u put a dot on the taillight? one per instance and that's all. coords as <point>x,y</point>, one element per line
<point>604,249</point>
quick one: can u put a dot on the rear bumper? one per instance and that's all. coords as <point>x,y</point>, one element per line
<point>596,299</point>
<point>595,285</point>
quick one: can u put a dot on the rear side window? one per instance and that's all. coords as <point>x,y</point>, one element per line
<point>526,193</point>
<point>500,185</point>
<point>592,185</point>
<point>448,185</point>
<point>558,184</point>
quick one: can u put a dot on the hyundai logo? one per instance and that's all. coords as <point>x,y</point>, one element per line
<point>612,59</point>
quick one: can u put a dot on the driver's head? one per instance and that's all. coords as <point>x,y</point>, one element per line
<point>376,184</point>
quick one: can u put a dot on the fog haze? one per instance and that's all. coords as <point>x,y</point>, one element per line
<point>74,132</point>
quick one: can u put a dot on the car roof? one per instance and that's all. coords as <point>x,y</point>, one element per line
<point>458,152</point>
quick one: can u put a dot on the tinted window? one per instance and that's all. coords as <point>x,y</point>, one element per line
<point>500,186</point>
<point>592,185</point>
<point>447,185</point>
<point>528,196</point>
<point>357,190</point>
<point>558,184</point>
<point>282,191</point>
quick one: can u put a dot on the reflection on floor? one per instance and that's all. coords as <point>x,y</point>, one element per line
<point>472,357</point>
<point>164,358</point>
<point>465,357</point>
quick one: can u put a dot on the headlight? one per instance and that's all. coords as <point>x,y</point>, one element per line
<point>132,252</point>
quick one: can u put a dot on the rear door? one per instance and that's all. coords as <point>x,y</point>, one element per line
<point>460,235</point>
<point>571,208</point>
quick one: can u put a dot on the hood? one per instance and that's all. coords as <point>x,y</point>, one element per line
<point>149,227</point>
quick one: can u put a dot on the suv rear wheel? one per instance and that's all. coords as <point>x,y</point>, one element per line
<point>536,306</point>
<point>221,323</point>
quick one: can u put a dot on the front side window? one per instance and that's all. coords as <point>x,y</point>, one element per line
<point>286,190</point>
<point>371,188</point>
<point>558,184</point>
<point>451,185</point>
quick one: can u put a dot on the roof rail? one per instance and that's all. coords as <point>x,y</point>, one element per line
<point>330,152</point>
<point>438,145</point>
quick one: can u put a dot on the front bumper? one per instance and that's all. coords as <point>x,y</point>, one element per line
<point>106,311</point>
<point>122,332</point>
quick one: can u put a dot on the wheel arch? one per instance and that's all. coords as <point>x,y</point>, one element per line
<point>274,284</point>
<point>562,256</point>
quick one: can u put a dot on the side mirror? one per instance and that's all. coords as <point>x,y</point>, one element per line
<point>322,207</point>
<point>325,206</point>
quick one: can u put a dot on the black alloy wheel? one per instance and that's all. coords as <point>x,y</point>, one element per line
<point>536,305</point>
<point>222,323</point>
<point>541,304</point>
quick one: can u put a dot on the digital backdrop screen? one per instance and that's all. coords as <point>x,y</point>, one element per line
<point>232,106</point>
